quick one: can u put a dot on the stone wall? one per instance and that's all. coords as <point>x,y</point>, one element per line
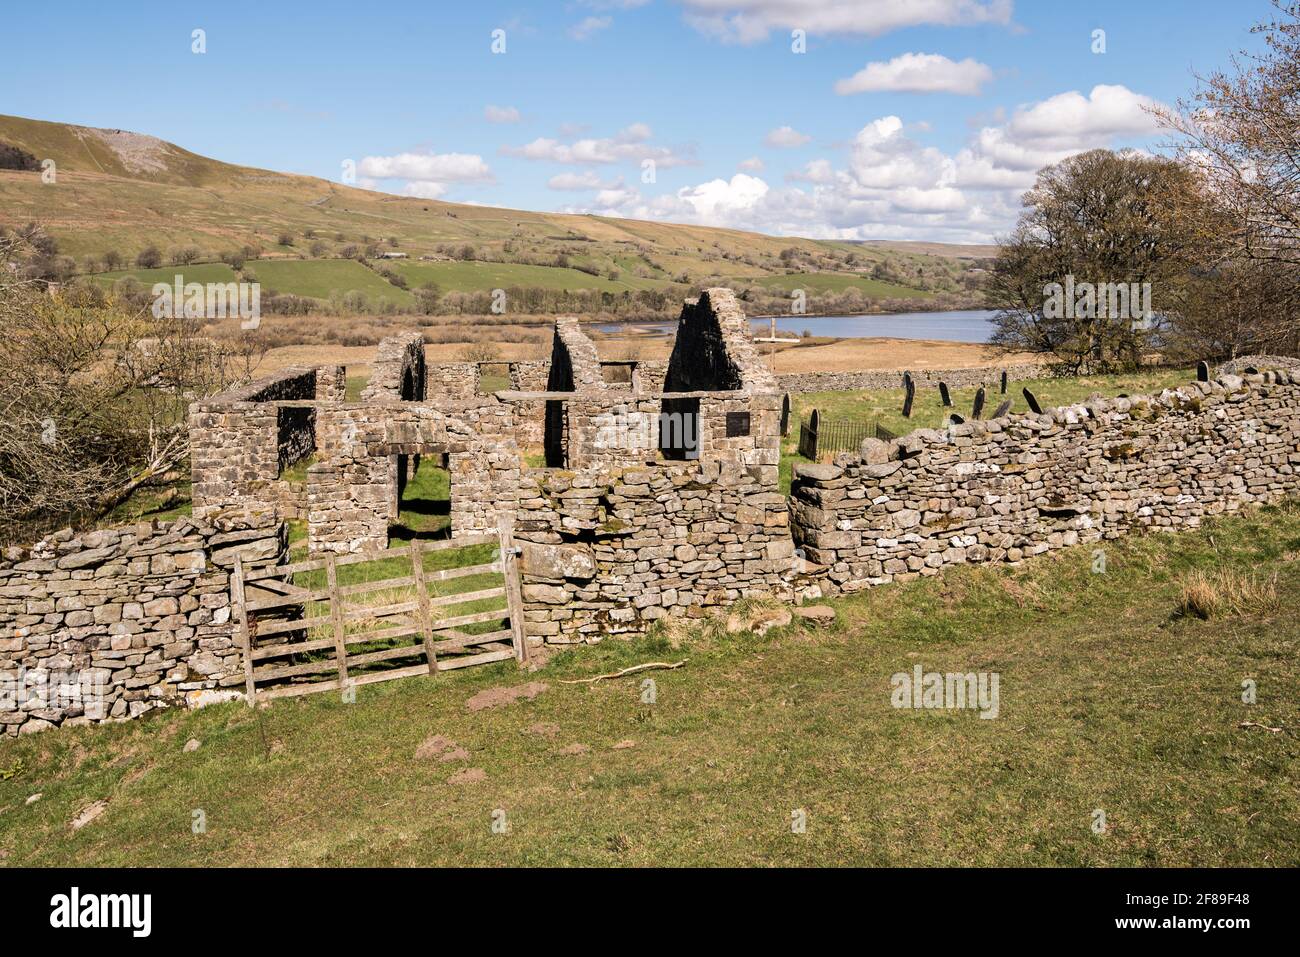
<point>456,380</point>
<point>530,375</point>
<point>1006,489</point>
<point>893,379</point>
<point>352,488</point>
<point>110,624</point>
<point>240,440</point>
<point>649,375</point>
<point>397,373</point>
<point>609,554</point>
<point>714,349</point>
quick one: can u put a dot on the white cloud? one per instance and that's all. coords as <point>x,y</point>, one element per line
<point>585,180</point>
<point>719,199</point>
<point>1050,130</point>
<point>426,174</point>
<point>785,137</point>
<point>615,197</point>
<point>1107,110</point>
<point>817,171</point>
<point>501,114</point>
<point>749,21</point>
<point>436,167</point>
<point>589,27</point>
<point>751,165</point>
<point>424,190</point>
<point>918,73</point>
<point>890,186</point>
<point>628,145</point>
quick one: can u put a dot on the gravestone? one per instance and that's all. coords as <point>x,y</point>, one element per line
<point>1034,407</point>
<point>945,395</point>
<point>911,394</point>
<point>978,408</point>
<point>1202,371</point>
<point>1004,381</point>
<point>1002,409</point>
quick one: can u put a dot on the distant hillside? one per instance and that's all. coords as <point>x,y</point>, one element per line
<point>125,191</point>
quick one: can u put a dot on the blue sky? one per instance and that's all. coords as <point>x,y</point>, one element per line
<point>955,104</point>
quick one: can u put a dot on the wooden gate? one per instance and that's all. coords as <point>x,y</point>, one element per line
<point>339,621</point>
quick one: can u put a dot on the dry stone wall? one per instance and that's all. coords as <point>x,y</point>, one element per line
<point>110,624</point>
<point>608,554</point>
<point>1010,488</point>
<point>241,440</point>
<point>398,372</point>
<point>352,490</point>
<point>714,349</point>
<point>893,379</point>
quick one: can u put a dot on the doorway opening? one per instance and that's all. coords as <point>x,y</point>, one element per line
<point>423,507</point>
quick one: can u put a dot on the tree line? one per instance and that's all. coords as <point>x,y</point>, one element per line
<point>1206,239</point>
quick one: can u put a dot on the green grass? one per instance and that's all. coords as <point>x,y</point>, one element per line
<point>1107,701</point>
<point>425,510</point>
<point>476,276</point>
<point>325,278</point>
<point>354,385</point>
<point>886,405</point>
<point>297,472</point>
<point>196,272</point>
<point>161,503</point>
<point>813,283</point>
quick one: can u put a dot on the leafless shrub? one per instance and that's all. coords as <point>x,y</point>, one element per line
<point>93,398</point>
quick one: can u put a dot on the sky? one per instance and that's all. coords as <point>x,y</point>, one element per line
<point>848,119</point>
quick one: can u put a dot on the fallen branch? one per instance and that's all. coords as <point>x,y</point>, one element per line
<point>648,666</point>
<point>1256,724</point>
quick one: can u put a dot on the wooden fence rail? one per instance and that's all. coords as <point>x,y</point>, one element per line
<point>290,632</point>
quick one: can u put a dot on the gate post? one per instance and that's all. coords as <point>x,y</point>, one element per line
<point>514,595</point>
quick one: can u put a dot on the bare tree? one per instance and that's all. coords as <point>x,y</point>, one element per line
<point>93,398</point>
<point>1240,132</point>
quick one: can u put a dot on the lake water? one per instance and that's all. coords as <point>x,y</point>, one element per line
<point>966,325</point>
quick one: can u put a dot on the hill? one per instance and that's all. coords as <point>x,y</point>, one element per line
<point>122,192</point>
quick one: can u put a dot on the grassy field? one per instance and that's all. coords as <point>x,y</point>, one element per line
<point>1109,699</point>
<point>195,272</point>
<point>886,405</point>
<point>475,276</point>
<point>325,278</point>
